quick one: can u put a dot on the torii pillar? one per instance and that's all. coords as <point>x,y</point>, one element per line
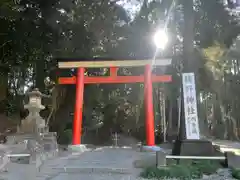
<point>149,110</point>
<point>78,114</point>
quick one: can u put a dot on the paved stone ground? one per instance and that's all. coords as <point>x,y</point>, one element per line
<point>101,163</point>
<point>106,163</point>
<point>227,144</point>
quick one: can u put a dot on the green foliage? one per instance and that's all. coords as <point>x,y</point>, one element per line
<point>207,166</point>
<point>181,172</point>
<point>193,170</point>
<point>236,173</point>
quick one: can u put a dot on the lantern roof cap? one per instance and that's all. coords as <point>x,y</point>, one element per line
<point>36,92</point>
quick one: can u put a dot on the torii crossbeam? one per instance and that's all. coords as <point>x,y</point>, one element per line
<point>81,79</point>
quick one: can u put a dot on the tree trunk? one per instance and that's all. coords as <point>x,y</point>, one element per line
<point>188,36</point>
<point>40,74</point>
<point>139,107</point>
<point>3,86</point>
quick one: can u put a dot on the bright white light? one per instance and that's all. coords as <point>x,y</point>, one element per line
<point>160,39</point>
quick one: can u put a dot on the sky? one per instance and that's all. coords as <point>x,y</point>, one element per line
<point>131,6</point>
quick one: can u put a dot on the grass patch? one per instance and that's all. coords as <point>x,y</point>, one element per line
<point>236,173</point>
<point>188,169</point>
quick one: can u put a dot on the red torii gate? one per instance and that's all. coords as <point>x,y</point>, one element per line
<point>81,79</point>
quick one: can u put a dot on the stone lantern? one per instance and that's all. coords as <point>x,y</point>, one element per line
<point>34,123</point>
<point>33,136</point>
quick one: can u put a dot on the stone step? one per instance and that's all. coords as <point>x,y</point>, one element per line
<point>93,170</point>
<point>102,160</point>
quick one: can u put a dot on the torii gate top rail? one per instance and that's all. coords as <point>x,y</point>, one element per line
<point>118,63</point>
<point>114,65</point>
